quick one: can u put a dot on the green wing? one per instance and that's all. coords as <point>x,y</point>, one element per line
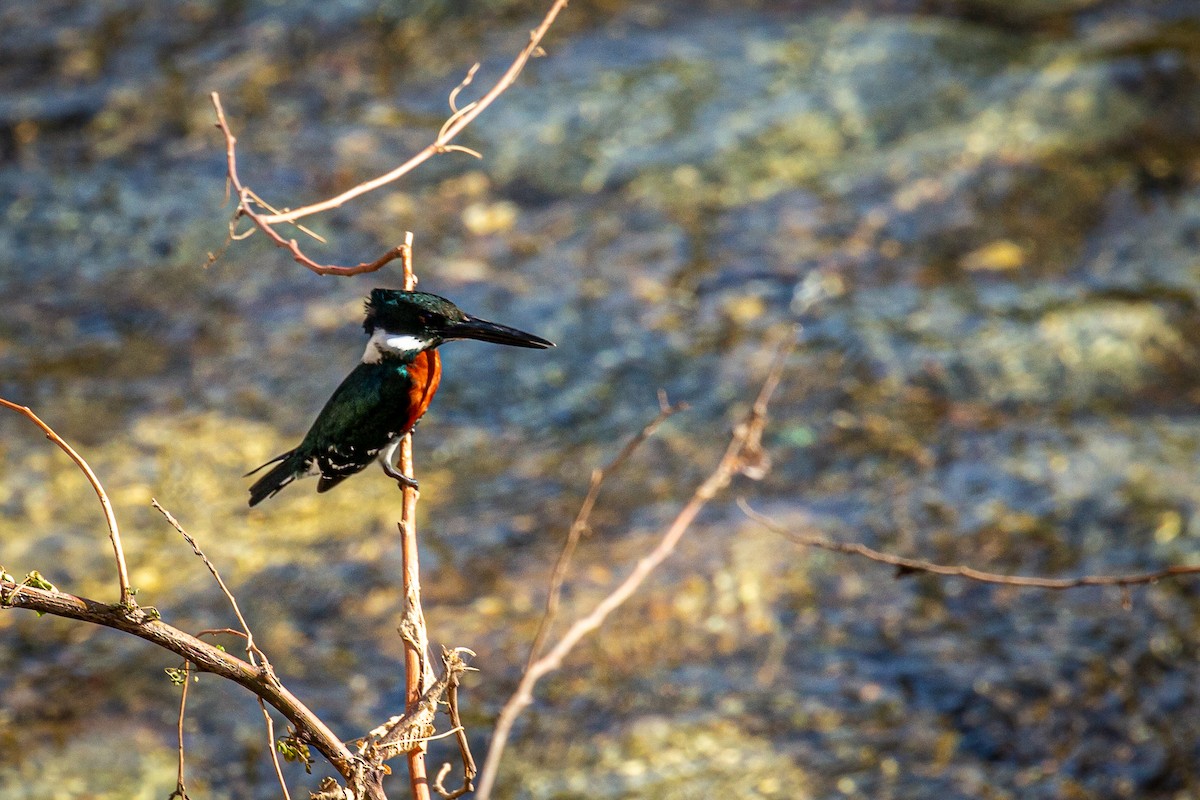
<point>359,420</point>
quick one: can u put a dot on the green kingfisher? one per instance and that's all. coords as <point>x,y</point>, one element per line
<point>386,394</point>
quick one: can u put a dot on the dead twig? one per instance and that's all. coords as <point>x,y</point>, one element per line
<point>743,453</point>
<point>248,201</point>
<point>464,747</point>
<point>205,658</point>
<point>905,566</point>
<point>580,524</point>
<point>458,121</point>
<point>114,533</point>
<point>412,626</point>
<point>180,789</point>
<point>252,652</point>
<point>405,733</point>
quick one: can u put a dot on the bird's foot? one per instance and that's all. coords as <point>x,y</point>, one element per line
<point>403,480</point>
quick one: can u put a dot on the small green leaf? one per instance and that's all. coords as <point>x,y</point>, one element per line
<point>293,750</point>
<point>35,580</point>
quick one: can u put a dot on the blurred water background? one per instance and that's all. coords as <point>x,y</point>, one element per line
<point>984,214</point>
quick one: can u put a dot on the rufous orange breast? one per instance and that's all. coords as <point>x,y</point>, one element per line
<point>424,374</point>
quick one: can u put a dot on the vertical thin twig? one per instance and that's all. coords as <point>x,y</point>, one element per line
<point>114,533</point>
<point>464,748</point>
<point>271,747</point>
<point>180,789</point>
<point>413,631</point>
<point>253,654</point>
<point>248,200</point>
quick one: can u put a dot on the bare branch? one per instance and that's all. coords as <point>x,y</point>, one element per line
<point>180,789</point>
<point>259,680</point>
<point>412,625</point>
<point>905,566</point>
<point>580,525</point>
<point>206,658</point>
<point>460,120</point>
<point>464,747</point>
<point>251,650</point>
<point>247,200</point>
<point>272,749</point>
<point>742,453</point>
<point>114,533</point>
<point>406,733</point>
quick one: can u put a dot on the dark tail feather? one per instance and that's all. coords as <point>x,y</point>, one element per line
<point>327,482</point>
<point>260,467</point>
<point>292,466</point>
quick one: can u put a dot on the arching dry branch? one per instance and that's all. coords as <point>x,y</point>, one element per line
<point>114,531</point>
<point>742,455</point>
<point>248,201</point>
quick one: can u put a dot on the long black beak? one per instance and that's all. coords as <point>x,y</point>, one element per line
<point>486,331</point>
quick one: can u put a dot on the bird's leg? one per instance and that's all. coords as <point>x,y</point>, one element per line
<point>386,458</point>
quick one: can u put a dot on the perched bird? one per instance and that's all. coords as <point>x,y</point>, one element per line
<point>386,394</point>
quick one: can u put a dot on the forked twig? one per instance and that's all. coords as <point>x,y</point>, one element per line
<point>114,533</point>
<point>906,566</point>
<point>460,120</point>
<point>248,201</point>
<point>742,453</point>
<point>464,746</point>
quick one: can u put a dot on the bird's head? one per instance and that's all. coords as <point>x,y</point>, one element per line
<point>403,324</point>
